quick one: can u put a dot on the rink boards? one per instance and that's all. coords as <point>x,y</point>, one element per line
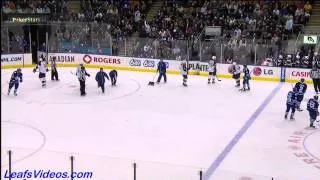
<point>263,73</point>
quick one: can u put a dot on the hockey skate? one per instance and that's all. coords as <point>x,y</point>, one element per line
<point>15,94</point>
<point>299,109</point>
<point>213,81</point>
<point>286,116</point>
<point>185,85</point>
<point>209,81</point>
<point>312,126</point>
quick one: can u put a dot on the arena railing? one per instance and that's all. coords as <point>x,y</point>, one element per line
<point>245,51</point>
<point>94,38</point>
<point>57,164</point>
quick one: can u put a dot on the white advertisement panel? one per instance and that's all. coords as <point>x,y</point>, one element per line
<point>13,60</point>
<point>295,74</point>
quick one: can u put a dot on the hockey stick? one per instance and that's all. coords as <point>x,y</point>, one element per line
<point>151,83</point>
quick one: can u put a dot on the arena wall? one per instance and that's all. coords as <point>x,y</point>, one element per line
<point>263,73</point>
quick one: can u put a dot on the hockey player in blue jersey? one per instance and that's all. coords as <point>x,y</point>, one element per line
<point>301,89</point>
<point>113,77</point>
<point>246,78</point>
<point>16,78</point>
<point>291,103</point>
<point>162,69</point>
<point>312,107</point>
<point>100,78</point>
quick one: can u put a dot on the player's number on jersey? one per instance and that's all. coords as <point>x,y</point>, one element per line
<point>311,105</point>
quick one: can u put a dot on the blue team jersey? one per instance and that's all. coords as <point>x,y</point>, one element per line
<point>246,73</point>
<point>312,105</point>
<point>301,88</point>
<point>291,98</point>
<point>15,77</point>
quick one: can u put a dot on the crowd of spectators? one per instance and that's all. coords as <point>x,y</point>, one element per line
<point>176,29</point>
<point>264,22</point>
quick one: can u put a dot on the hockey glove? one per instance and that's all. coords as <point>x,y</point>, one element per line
<point>34,70</point>
<point>47,70</point>
<point>21,80</point>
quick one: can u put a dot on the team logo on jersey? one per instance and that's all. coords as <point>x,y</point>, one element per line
<point>148,63</point>
<point>87,59</point>
<point>257,71</point>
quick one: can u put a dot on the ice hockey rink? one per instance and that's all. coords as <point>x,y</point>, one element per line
<point>169,131</point>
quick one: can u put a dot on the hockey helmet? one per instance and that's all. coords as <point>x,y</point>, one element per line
<point>316,97</point>
<point>297,56</point>
<point>289,56</point>
<point>234,63</point>
<point>213,57</point>
<point>295,89</point>
<point>19,69</point>
<point>302,79</point>
<point>315,53</point>
<point>280,56</point>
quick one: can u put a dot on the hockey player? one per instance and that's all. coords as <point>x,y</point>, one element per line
<point>82,73</point>
<point>42,68</point>
<point>184,72</point>
<point>54,72</point>
<point>212,69</point>
<point>16,78</point>
<point>236,73</point>
<point>100,78</point>
<point>315,76</point>
<point>312,107</point>
<point>291,103</point>
<point>301,89</point>
<point>113,76</point>
<point>162,69</point>
<point>246,78</point>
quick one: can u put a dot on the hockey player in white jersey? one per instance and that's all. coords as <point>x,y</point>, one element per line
<point>212,69</point>
<point>42,69</point>
<point>236,71</point>
<point>184,72</point>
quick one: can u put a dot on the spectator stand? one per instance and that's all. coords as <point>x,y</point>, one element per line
<point>80,37</point>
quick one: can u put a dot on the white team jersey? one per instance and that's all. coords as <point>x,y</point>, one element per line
<point>42,66</point>
<point>183,68</point>
<point>78,71</point>
<point>211,66</point>
<point>237,69</point>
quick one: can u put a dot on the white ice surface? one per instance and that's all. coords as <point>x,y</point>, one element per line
<point>170,131</point>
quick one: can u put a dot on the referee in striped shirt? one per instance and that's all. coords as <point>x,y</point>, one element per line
<point>315,75</point>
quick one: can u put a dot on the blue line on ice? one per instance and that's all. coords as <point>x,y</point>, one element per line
<point>215,164</point>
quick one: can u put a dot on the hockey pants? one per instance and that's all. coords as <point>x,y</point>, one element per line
<point>113,80</point>
<point>54,75</point>
<point>160,77</point>
<point>16,86</point>
<point>246,83</point>
<point>102,86</point>
<point>82,87</point>
<point>316,85</point>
